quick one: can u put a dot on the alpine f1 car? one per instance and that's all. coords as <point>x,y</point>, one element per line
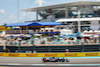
<point>52,59</point>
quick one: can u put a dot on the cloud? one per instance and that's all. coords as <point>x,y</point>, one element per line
<point>40,2</point>
<point>10,0</point>
<point>97,0</point>
<point>8,19</point>
<point>29,16</point>
<point>24,15</point>
<point>12,17</point>
<point>2,11</point>
<point>46,2</point>
<point>27,13</point>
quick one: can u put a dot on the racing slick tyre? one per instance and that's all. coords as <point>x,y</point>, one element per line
<point>67,60</point>
<point>44,60</point>
<point>63,60</point>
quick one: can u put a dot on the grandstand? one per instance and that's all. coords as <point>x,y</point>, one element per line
<point>81,18</point>
<point>77,16</point>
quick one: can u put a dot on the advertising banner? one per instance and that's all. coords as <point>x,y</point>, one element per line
<point>83,54</point>
<point>31,55</point>
<point>71,54</point>
<point>14,54</point>
<point>1,54</point>
<point>91,54</point>
<point>2,28</point>
<point>51,55</point>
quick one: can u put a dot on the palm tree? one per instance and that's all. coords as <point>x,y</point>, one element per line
<point>4,24</point>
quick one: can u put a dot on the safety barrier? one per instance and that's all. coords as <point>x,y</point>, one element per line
<point>81,54</point>
<point>55,49</point>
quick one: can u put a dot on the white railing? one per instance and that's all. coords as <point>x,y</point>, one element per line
<point>17,32</point>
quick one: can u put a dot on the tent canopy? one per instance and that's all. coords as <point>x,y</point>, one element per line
<point>49,33</point>
<point>34,24</point>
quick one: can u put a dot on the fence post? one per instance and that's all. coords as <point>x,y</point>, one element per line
<point>99,47</point>
<point>33,45</point>
<point>82,44</point>
<point>49,48</point>
<point>19,45</point>
<point>88,41</point>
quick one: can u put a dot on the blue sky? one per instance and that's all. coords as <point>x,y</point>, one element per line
<point>9,9</point>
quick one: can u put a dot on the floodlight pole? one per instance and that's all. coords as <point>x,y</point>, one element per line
<point>33,44</point>
<point>79,28</point>
<point>19,46</point>
<point>79,23</point>
<point>18,21</point>
<point>66,12</point>
<point>37,16</point>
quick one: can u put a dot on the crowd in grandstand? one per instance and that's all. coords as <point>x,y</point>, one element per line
<point>49,41</point>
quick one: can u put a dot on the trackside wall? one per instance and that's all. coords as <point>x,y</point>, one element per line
<point>79,54</point>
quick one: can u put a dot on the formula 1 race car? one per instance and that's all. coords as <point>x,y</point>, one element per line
<point>53,59</point>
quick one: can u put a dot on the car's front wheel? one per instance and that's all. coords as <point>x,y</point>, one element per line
<point>67,60</point>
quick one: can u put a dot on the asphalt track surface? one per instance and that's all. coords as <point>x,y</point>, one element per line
<point>48,66</point>
<point>28,61</point>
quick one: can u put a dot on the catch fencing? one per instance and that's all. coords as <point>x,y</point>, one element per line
<point>51,49</point>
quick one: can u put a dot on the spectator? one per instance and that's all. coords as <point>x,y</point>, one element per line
<point>82,41</point>
<point>63,60</point>
<point>6,50</point>
<point>85,39</point>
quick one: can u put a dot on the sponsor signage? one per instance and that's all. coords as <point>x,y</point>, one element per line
<point>2,28</point>
<point>71,55</point>
<point>92,54</point>
<point>50,55</point>
<point>14,55</point>
<point>1,54</point>
<point>31,55</point>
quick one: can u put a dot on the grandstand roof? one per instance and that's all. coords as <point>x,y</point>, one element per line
<point>78,3</point>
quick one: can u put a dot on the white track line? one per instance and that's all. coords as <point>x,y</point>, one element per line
<point>11,64</point>
<point>14,64</point>
<point>38,64</point>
